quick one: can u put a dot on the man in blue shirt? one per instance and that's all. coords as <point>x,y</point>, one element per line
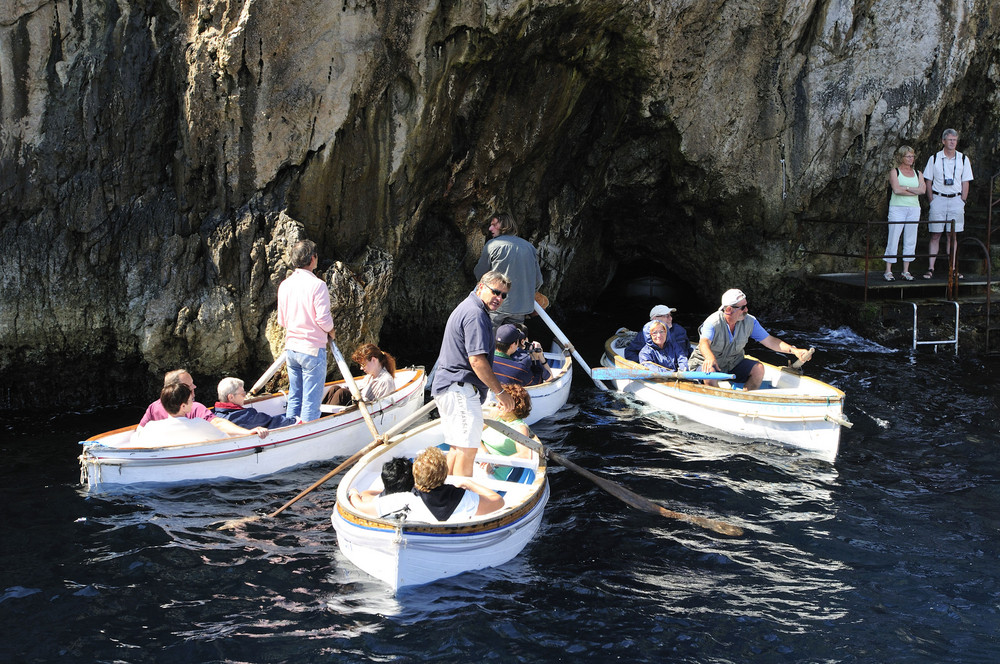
<point>465,371</point>
<point>724,335</point>
<point>513,364</point>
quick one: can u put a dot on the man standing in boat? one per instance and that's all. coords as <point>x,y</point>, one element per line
<point>724,335</point>
<point>465,371</point>
<point>304,312</point>
<point>515,258</point>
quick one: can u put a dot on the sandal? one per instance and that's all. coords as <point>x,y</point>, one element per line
<point>888,276</point>
<point>959,275</point>
<point>907,276</point>
<point>929,274</point>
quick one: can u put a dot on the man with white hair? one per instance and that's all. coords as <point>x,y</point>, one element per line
<point>724,335</point>
<point>947,174</point>
<point>232,396</point>
<point>675,333</point>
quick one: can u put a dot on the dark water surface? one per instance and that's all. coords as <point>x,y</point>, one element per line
<point>888,555</point>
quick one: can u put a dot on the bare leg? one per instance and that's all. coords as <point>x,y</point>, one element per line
<point>932,249</point>
<point>461,461</point>
<point>756,377</point>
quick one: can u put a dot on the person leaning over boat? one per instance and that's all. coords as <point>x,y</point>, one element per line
<point>514,365</point>
<point>724,335</point>
<point>232,396</point>
<point>379,381</point>
<point>907,185</point>
<point>156,411</point>
<point>515,258</point>
<point>304,312</point>
<point>438,501</point>
<point>465,372</point>
<point>660,352</point>
<point>396,493</point>
<point>495,442</point>
<point>675,333</point>
<point>947,174</point>
<point>177,427</point>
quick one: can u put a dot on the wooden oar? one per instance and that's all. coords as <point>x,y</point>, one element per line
<point>615,489</point>
<point>796,366</point>
<point>614,373</point>
<point>565,342</point>
<point>396,430</point>
<point>271,370</point>
<point>353,387</point>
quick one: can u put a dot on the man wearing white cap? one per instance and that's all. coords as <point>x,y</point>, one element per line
<point>724,335</point>
<point>675,333</point>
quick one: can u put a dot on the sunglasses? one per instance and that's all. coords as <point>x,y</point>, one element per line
<point>499,293</point>
<point>743,308</point>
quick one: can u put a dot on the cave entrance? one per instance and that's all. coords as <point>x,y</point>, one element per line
<point>636,287</point>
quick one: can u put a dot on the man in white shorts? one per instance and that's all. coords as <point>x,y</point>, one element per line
<point>947,174</point>
<point>465,372</point>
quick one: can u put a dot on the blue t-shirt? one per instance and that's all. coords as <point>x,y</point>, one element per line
<point>468,332</point>
<point>517,368</point>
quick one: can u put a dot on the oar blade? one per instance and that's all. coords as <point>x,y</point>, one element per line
<point>616,373</point>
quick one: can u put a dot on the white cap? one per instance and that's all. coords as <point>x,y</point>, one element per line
<point>732,297</point>
<point>660,310</point>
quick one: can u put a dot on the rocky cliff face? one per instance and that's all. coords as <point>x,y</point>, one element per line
<point>159,156</point>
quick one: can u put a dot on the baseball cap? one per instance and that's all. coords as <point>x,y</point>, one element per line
<point>660,310</point>
<point>732,297</point>
<point>508,334</point>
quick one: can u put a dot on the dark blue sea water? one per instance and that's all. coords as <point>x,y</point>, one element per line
<point>890,554</point>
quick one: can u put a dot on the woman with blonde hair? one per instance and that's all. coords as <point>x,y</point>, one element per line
<point>907,184</point>
<point>447,502</point>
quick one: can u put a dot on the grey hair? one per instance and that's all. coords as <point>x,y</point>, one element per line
<point>949,132</point>
<point>229,386</point>
<point>494,278</point>
<point>302,253</point>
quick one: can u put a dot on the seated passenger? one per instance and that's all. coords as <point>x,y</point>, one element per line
<point>156,410</point>
<point>515,366</point>
<point>379,381</point>
<point>230,406</point>
<point>494,442</point>
<point>397,480</point>
<point>661,353</point>
<point>437,501</point>
<point>177,428</point>
<point>675,333</point>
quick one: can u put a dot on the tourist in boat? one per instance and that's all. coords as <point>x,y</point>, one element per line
<point>907,185</point>
<point>515,258</point>
<point>178,401</point>
<point>675,333</point>
<point>304,312</point>
<point>396,493</point>
<point>438,501</point>
<point>661,353</point>
<point>232,396</point>
<point>465,372</point>
<point>513,364</point>
<point>724,335</point>
<point>379,381</point>
<point>494,442</point>
<point>947,174</point>
<point>156,410</point>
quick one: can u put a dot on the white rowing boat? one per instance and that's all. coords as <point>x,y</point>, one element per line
<point>110,460</point>
<point>408,553</point>
<point>795,410</point>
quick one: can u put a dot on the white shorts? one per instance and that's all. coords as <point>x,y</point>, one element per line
<point>461,415</point>
<point>943,209</point>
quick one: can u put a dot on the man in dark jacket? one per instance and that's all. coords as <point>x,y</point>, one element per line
<point>230,406</point>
